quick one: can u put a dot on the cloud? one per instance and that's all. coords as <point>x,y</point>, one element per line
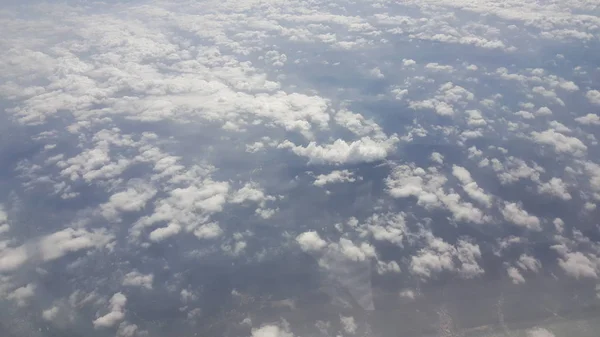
<point>560,142</point>
<point>271,331</point>
<point>138,279</point>
<point>336,176</point>
<point>50,314</point>
<point>131,200</point>
<point>310,241</point>
<point>348,324</point>
<point>163,233</point>
<point>539,332</point>
<point>578,265</point>
<point>22,295</point>
<point>342,152</point>
<point>515,275</point>
<point>529,263</point>
<point>514,213</point>
<point>555,187</point>
<point>208,231</point>
<point>589,119</point>
<point>427,186</point>
<point>436,157</point>
<point>441,256</point>
<point>593,96</point>
<point>470,186</point>
<point>116,314</point>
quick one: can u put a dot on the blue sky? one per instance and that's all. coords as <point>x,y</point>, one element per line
<point>299,168</point>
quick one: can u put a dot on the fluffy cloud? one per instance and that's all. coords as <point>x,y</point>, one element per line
<point>515,275</point>
<point>440,256</point>
<point>427,186</point>
<point>310,241</point>
<point>138,279</point>
<point>471,187</point>
<point>365,149</point>
<point>271,331</point>
<point>514,213</point>
<point>22,295</point>
<point>578,265</point>
<point>560,142</point>
<point>336,176</point>
<point>555,187</point>
<point>593,96</point>
<point>116,314</point>
<point>589,119</point>
<point>348,324</point>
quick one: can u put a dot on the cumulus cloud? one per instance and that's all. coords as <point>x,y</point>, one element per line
<point>515,275</point>
<point>163,233</point>
<point>22,295</point>
<point>471,187</point>
<point>555,187</point>
<point>539,332</point>
<point>336,176</point>
<point>138,279</point>
<point>560,142</point>
<point>271,331</point>
<point>348,324</point>
<point>514,213</point>
<point>441,256</point>
<point>342,152</point>
<point>593,96</point>
<point>116,314</point>
<point>589,119</point>
<point>427,186</point>
<point>310,241</point>
<point>578,265</point>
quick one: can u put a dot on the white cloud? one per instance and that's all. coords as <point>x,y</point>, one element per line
<point>341,152</point>
<point>514,213</point>
<point>50,314</point>
<point>250,192</point>
<point>515,275</point>
<point>447,97</point>
<point>539,332</point>
<point>578,265</point>
<point>529,263</point>
<point>116,314</point>
<point>163,233</point>
<point>387,267</point>
<point>427,186</point>
<point>470,186</point>
<point>560,142</point>
<point>22,295</point>
<point>589,119</point>
<point>593,96</point>
<point>408,294</point>
<point>336,176</point>
<point>59,244</point>
<point>555,187</point>
<point>440,256</point>
<point>376,72</point>
<point>311,241</point>
<point>271,331</point>
<point>348,324</point>
<point>436,157</point>
<point>138,279</point>
<point>208,231</point>
<point>131,200</point>
<point>127,329</point>
<point>408,62</point>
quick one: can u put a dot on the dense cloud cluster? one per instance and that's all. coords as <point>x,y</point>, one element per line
<point>284,168</point>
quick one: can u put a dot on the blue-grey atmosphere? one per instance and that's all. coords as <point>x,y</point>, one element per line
<point>300,168</point>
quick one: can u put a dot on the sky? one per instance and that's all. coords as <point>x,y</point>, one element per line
<point>296,168</point>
